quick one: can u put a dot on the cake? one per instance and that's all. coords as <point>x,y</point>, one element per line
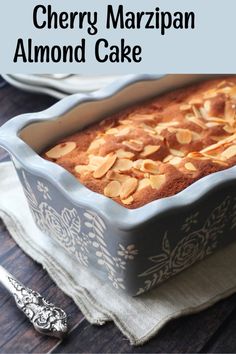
<point>158,148</point>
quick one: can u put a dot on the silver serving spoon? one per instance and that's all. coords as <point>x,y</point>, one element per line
<point>45,317</point>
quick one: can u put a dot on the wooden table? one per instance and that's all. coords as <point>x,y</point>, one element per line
<point>212,330</point>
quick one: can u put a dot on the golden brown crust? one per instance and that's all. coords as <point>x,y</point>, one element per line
<point>156,149</point>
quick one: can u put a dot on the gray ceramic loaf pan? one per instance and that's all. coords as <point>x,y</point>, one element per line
<point>133,250</point>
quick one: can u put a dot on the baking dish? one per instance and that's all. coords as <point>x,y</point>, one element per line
<point>133,249</point>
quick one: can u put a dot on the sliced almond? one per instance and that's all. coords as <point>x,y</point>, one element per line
<point>112,131</point>
<point>134,145</point>
<point>123,132</point>
<point>149,166</point>
<point>196,121</point>
<point>229,129</point>
<point>128,201</point>
<point>149,150</point>
<point>115,176</point>
<point>219,144</point>
<point>123,165</point>
<point>112,190</point>
<point>222,163</point>
<point>105,166</point>
<point>197,155</point>
<point>83,169</point>
<point>196,112</point>
<point>212,124</point>
<point>96,144</point>
<point>207,106</point>
<point>175,160</point>
<point>230,152</point>
<point>184,136</point>
<point>167,158</point>
<point>143,183</point>
<point>233,92</point>
<point>171,129</point>
<point>229,113</point>
<point>128,187</point>
<point>216,120</point>
<point>177,153</point>
<point>148,129</point>
<point>125,121</point>
<point>157,181</point>
<point>122,154</point>
<point>61,150</point>
<point>190,166</point>
<point>96,161</point>
<point>210,93</point>
<point>138,164</point>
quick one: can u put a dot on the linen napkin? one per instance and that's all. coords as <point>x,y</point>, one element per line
<point>138,318</point>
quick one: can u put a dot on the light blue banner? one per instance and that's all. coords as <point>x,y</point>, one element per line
<point>165,36</point>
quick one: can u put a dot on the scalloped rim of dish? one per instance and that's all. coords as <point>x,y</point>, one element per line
<point>120,216</point>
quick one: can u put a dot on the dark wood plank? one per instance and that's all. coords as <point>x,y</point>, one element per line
<point>224,340</point>
<point>17,334</point>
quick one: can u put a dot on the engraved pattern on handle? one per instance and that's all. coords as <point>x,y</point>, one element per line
<point>45,317</point>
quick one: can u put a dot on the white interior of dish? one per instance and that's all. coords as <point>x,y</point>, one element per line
<point>41,135</point>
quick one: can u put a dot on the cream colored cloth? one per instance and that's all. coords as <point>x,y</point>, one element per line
<point>138,318</point>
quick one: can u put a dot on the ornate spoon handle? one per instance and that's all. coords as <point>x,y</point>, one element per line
<point>45,317</point>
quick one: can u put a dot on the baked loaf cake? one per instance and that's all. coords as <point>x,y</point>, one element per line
<point>157,149</point>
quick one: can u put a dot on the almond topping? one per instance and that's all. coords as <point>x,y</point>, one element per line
<point>197,155</point>
<point>212,124</point>
<point>128,187</point>
<point>149,150</point>
<point>168,158</point>
<point>184,136</point>
<point>124,154</point>
<point>233,92</point>
<point>128,201</point>
<point>138,164</point>
<point>134,145</point>
<point>190,167</point>
<point>220,143</point>
<point>230,152</point>
<point>229,113</point>
<point>207,106</point>
<point>196,112</point>
<point>112,190</point>
<point>143,183</point>
<point>157,181</point>
<point>105,166</point>
<point>115,176</point>
<point>123,132</point>
<point>196,121</point>
<point>149,166</point>
<point>123,165</point>
<point>175,160</point>
<point>112,131</point>
<point>96,161</point>
<point>177,153</point>
<point>83,169</point>
<point>229,129</point>
<point>96,144</point>
<point>61,150</point>
<point>216,120</point>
